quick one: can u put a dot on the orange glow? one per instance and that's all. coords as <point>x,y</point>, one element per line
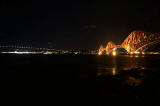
<point>114,53</point>
<point>136,52</point>
<point>135,43</point>
<point>99,53</point>
<point>107,53</point>
<point>114,71</point>
<point>101,49</point>
<point>138,40</point>
<point>131,53</point>
<point>110,46</point>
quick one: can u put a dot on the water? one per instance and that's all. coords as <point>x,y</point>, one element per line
<point>84,79</point>
<point>128,80</point>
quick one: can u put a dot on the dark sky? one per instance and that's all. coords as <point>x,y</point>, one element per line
<point>75,24</point>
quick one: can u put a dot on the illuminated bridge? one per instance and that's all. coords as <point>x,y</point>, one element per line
<point>137,41</point>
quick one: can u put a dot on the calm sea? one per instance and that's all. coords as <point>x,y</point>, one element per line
<point>84,79</point>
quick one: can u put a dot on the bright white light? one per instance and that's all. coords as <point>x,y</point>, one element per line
<point>27,52</point>
<point>16,52</point>
<point>48,53</point>
<point>114,48</point>
<point>114,53</point>
<point>21,52</point>
<point>45,53</point>
<point>76,53</point>
<point>99,53</point>
<point>136,52</point>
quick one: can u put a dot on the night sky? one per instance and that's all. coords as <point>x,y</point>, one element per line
<point>75,24</point>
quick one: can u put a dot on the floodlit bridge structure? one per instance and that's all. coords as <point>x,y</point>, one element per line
<point>137,41</point>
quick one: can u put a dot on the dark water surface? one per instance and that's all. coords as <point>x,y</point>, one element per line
<point>81,80</point>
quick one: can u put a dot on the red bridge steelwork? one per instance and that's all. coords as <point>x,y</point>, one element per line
<point>110,47</point>
<point>101,50</point>
<point>137,41</point>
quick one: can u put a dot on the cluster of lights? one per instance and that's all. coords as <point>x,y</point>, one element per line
<point>136,52</point>
<point>16,52</point>
<point>114,53</point>
<point>99,53</point>
<point>24,47</point>
<point>27,52</point>
<point>48,53</point>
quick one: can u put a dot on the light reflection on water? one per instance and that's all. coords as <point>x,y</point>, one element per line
<point>107,71</point>
<point>114,65</point>
<point>128,78</point>
<point>132,65</point>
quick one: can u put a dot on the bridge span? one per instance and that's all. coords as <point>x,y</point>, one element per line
<point>137,41</point>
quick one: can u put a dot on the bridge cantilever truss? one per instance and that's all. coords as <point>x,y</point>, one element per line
<point>137,41</point>
<point>101,49</point>
<point>110,47</point>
